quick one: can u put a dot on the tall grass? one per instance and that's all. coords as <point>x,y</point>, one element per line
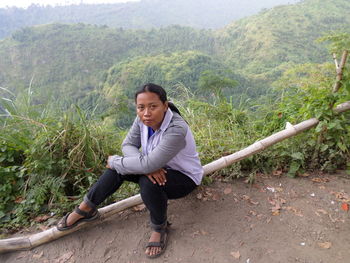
<point>48,157</point>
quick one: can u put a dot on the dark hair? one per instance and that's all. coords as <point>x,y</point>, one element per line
<point>150,87</point>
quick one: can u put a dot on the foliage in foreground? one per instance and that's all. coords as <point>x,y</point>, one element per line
<point>306,92</point>
<point>48,158</point>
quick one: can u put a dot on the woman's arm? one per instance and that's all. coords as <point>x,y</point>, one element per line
<point>173,140</point>
<point>132,142</point>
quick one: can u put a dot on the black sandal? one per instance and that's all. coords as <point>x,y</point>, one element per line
<point>164,232</point>
<point>87,216</point>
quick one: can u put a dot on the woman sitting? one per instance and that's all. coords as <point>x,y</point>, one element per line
<point>167,167</point>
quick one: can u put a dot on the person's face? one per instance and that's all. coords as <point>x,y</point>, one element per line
<point>151,109</point>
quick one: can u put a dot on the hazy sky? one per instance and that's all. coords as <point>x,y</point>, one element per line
<point>26,3</point>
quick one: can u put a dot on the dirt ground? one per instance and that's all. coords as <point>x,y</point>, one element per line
<point>277,219</point>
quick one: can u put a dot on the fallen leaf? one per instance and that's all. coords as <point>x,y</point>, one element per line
<point>19,199</point>
<point>227,190</point>
<point>253,213</point>
<point>322,211</point>
<point>216,197</point>
<point>199,196</point>
<point>195,233</point>
<point>110,241</point>
<point>260,216</point>
<point>276,213</point>
<point>245,197</point>
<point>325,245</point>
<point>342,196</point>
<point>296,211</point>
<point>277,172</point>
<point>345,206</point>
<point>272,201</point>
<point>277,207</point>
<point>331,218</point>
<point>204,233</point>
<point>65,257</point>
<point>320,180</point>
<point>304,175</point>
<point>139,208</point>
<point>208,192</point>
<point>40,219</point>
<point>279,189</point>
<point>236,254</point>
<point>21,255</point>
<point>253,203</point>
<point>38,255</point>
<point>269,251</point>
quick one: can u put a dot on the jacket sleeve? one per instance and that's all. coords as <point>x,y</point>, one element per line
<point>172,141</point>
<point>132,142</point>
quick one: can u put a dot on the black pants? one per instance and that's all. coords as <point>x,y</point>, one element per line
<point>155,197</point>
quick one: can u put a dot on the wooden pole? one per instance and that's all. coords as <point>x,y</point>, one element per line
<point>339,70</point>
<point>28,242</point>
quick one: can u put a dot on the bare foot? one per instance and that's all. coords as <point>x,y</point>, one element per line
<point>151,251</point>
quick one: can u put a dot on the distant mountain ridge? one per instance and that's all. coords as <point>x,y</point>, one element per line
<point>143,14</point>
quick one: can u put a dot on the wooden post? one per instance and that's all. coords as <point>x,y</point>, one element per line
<point>339,70</point>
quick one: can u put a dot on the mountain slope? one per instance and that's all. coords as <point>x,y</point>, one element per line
<point>283,35</point>
<point>143,14</point>
<point>70,59</point>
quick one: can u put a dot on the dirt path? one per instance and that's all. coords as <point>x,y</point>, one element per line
<point>278,219</point>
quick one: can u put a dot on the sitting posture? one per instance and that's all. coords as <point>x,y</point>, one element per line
<point>167,167</point>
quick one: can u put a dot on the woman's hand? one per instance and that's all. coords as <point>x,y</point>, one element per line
<point>158,177</point>
<point>107,166</point>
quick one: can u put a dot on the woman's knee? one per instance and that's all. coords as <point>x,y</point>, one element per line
<point>146,184</point>
<point>151,192</point>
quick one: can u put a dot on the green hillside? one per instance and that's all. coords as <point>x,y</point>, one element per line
<point>168,70</point>
<point>70,60</point>
<point>266,43</point>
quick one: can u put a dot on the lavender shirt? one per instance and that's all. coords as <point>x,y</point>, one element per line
<point>172,145</point>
